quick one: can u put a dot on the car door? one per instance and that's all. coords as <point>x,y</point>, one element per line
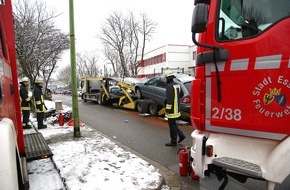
<point>160,91</point>
<point>148,89</point>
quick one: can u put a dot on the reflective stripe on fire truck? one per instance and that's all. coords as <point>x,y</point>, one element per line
<point>268,62</point>
<point>240,65</point>
<point>264,62</point>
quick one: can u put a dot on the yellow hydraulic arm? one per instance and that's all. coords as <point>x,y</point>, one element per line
<point>124,87</point>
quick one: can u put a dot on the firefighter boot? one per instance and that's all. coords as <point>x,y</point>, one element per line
<point>42,127</point>
<point>26,126</point>
<point>181,139</point>
<point>170,144</point>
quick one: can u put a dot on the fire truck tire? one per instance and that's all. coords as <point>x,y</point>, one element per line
<point>152,108</point>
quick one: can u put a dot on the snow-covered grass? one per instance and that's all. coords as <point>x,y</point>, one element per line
<point>90,162</point>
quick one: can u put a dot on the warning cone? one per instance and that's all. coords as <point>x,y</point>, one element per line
<point>71,123</point>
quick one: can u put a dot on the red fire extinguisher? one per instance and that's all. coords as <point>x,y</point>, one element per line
<point>61,119</point>
<point>183,161</point>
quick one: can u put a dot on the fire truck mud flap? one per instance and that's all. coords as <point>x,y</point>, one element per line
<point>36,147</point>
<point>197,152</point>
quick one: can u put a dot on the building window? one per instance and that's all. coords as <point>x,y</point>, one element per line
<point>164,57</point>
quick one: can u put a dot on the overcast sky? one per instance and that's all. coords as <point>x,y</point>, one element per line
<point>172,16</point>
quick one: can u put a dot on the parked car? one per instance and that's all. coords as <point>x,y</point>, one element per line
<point>155,89</point>
<point>131,81</point>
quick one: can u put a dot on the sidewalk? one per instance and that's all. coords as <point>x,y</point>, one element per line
<point>94,161</point>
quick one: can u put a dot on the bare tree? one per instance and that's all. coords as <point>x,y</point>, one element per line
<point>39,44</point>
<point>114,34</point>
<point>64,76</point>
<point>126,37</point>
<point>133,41</point>
<point>147,29</point>
<point>87,64</point>
<point>114,61</point>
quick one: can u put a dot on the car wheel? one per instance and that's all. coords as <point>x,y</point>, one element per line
<point>152,108</point>
<point>138,93</point>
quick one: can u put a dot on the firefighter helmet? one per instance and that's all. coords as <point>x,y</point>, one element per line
<point>168,73</point>
<point>25,79</point>
<point>38,80</point>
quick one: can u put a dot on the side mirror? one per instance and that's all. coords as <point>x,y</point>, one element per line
<point>199,18</point>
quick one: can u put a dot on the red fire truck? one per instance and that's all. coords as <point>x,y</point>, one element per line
<point>241,96</point>
<point>16,149</point>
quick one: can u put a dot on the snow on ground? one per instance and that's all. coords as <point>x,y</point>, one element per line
<point>91,162</point>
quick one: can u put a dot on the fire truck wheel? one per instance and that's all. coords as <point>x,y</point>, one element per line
<point>152,108</point>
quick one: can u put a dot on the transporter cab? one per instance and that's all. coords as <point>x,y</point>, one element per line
<point>240,105</point>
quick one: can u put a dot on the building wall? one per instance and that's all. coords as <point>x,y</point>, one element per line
<point>178,58</point>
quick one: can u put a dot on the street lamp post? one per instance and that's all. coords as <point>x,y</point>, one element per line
<point>106,70</point>
<point>77,132</point>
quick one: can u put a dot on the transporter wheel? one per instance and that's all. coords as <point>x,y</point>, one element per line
<point>139,107</point>
<point>99,99</point>
<point>84,98</point>
<point>152,108</point>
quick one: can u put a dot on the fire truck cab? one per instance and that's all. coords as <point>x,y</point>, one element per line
<point>240,107</point>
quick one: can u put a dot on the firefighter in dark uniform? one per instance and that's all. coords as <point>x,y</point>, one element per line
<point>25,102</point>
<point>173,108</point>
<point>39,105</point>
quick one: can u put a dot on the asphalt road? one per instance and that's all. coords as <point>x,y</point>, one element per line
<point>147,136</point>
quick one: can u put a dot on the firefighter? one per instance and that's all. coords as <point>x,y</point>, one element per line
<point>25,102</point>
<point>172,108</point>
<point>39,105</point>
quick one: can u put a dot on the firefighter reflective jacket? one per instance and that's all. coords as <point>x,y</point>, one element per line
<point>24,98</point>
<point>38,100</point>
<point>172,100</point>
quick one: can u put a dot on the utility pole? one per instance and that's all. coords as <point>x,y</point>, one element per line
<point>77,132</point>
